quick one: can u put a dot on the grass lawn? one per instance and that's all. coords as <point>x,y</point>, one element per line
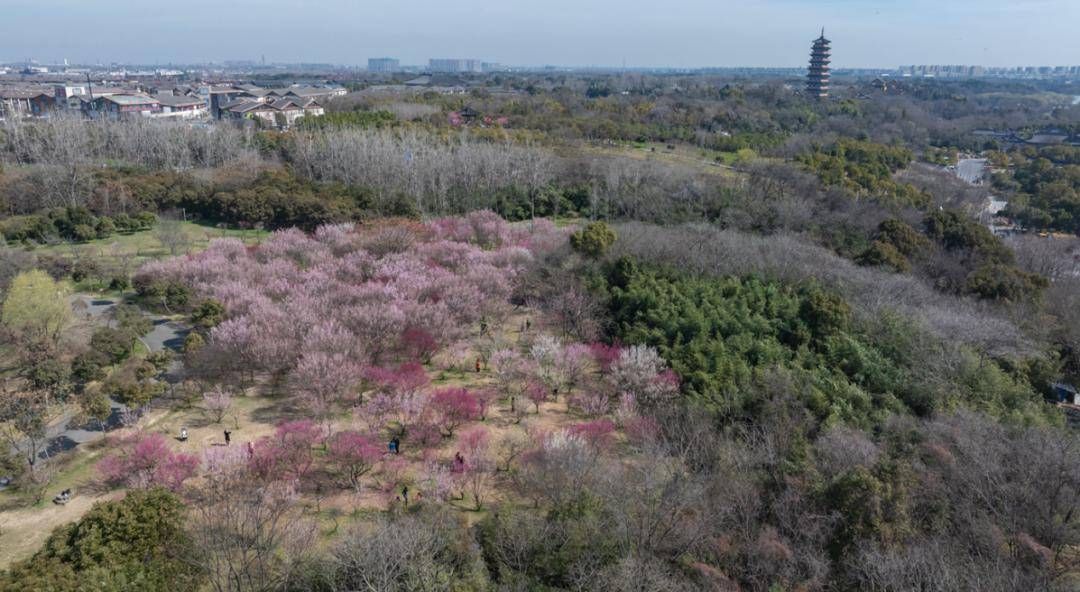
<point>143,246</point>
<point>23,528</point>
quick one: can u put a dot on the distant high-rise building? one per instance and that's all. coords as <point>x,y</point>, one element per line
<point>817,80</point>
<point>455,66</point>
<point>384,65</point>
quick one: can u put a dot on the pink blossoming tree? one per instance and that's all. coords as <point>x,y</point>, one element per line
<point>353,454</point>
<point>454,406</point>
<point>217,402</point>
<point>145,460</point>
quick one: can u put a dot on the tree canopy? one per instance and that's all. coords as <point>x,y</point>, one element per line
<point>37,305</point>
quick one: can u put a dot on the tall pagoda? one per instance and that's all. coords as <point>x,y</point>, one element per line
<point>817,80</point>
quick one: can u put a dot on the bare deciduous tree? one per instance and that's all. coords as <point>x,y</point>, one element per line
<point>250,533</point>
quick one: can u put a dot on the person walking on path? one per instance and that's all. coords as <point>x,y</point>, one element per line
<point>228,437</point>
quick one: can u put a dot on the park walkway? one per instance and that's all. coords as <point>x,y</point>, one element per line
<point>166,334</point>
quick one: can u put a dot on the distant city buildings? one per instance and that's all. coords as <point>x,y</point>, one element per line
<point>961,71</point>
<point>817,79</point>
<point>162,97</point>
<point>384,65</point>
<point>455,65</point>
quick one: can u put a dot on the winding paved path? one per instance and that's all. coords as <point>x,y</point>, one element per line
<point>166,334</point>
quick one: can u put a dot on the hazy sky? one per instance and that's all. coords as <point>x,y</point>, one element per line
<point>883,33</point>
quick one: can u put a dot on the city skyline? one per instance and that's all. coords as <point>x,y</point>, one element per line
<point>685,34</point>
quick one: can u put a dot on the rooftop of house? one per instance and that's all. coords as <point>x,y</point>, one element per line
<point>22,93</point>
<point>225,89</point>
<point>306,91</point>
<point>245,106</point>
<point>283,104</point>
<point>108,91</point>
<point>131,100</point>
<point>262,92</point>
<point>184,90</point>
<point>178,101</point>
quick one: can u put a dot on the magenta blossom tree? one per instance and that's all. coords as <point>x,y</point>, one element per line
<point>404,385</point>
<point>599,433</point>
<point>145,460</point>
<point>538,393</point>
<point>453,407</point>
<point>418,344</point>
<point>288,453</point>
<point>604,355</point>
<point>353,454</point>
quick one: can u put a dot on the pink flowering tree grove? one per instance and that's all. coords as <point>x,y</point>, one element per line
<point>317,307</point>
